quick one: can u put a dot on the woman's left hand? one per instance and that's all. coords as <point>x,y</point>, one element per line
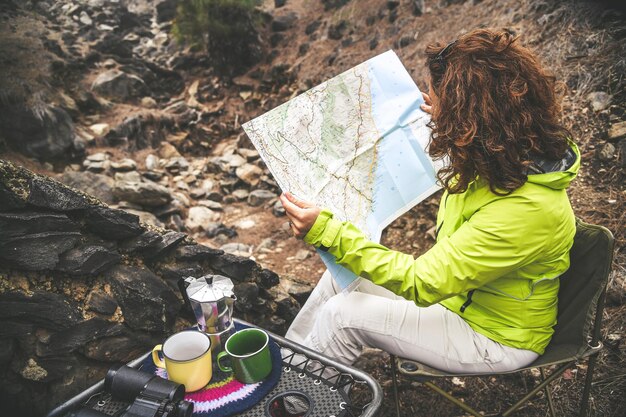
<point>301,214</point>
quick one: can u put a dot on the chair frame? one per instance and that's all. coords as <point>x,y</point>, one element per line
<point>594,347</point>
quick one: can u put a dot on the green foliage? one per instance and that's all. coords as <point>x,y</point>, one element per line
<point>226,28</point>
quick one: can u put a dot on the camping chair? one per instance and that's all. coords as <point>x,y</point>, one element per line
<point>576,335</point>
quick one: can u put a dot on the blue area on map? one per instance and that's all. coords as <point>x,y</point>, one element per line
<point>404,173</point>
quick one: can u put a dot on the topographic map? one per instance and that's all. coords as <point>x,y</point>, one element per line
<point>354,144</point>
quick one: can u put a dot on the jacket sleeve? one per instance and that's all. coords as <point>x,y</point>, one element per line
<point>484,248</point>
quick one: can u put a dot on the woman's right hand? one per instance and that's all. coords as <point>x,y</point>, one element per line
<point>301,214</point>
<point>427,106</point>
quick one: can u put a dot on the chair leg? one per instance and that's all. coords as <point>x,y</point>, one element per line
<point>393,364</point>
<point>586,390</point>
<point>548,393</point>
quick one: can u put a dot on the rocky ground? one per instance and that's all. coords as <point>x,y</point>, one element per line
<point>115,107</point>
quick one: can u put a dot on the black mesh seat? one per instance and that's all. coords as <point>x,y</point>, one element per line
<point>577,333</point>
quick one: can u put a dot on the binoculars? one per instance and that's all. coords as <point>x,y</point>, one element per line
<point>139,394</point>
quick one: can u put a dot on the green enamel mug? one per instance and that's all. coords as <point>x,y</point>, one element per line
<point>249,354</point>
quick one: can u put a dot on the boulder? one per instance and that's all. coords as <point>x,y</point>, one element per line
<point>87,260</point>
<point>146,301</point>
<point>267,278</point>
<point>239,249</point>
<point>250,174</point>
<point>146,218</point>
<point>36,251</point>
<point>247,296</point>
<point>101,302</point>
<point>118,85</point>
<point>236,267</point>
<point>30,221</point>
<point>98,185</point>
<point>172,272</point>
<point>260,197</point>
<point>199,217</point>
<point>167,242</point>
<point>47,134</point>
<point>74,338</point>
<point>50,194</point>
<point>123,348</point>
<point>196,253</point>
<point>112,223</point>
<point>145,193</point>
<point>147,241</point>
<point>44,309</point>
<point>286,306</point>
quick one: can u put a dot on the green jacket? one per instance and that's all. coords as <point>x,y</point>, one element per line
<point>496,260</point>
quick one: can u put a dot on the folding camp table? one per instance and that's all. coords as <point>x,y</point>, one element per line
<point>327,387</point>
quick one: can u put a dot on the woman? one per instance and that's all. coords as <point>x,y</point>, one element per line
<point>484,297</point>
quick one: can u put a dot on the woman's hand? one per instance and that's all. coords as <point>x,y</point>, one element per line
<point>427,106</point>
<point>301,214</point>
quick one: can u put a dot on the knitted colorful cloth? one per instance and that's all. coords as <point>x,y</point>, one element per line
<point>224,395</point>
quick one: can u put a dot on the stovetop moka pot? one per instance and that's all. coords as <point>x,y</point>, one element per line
<point>212,299</point>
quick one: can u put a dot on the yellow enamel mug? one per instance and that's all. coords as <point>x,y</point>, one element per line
<point>186,358</point>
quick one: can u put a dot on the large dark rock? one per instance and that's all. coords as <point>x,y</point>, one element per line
<point>47,134</point>
<point>146,301</point>
<point>267,278</point>
<point>8,201</point>
<point>16,329</point>
<point>235,267</point>
<point>98,185</point>
<point>101,302</point>
<point>196,253</point>
<point>69,340</point>
<point>122,348</point>
<point>118,85</point>
<point>48,193</point>
<point>87,260</point>
<point>172,272</point>
<point>112,223</point>
<point>247,296</point>
<point>287,308</point>
<point>28,222</point>
<point>48,310</point>
<point>146,242</point>
<point>168,241</point>
<point>37,251</point>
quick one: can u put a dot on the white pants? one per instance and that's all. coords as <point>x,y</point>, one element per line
<point>340,324</point>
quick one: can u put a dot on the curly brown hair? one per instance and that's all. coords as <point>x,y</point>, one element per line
<point>496,108</point>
